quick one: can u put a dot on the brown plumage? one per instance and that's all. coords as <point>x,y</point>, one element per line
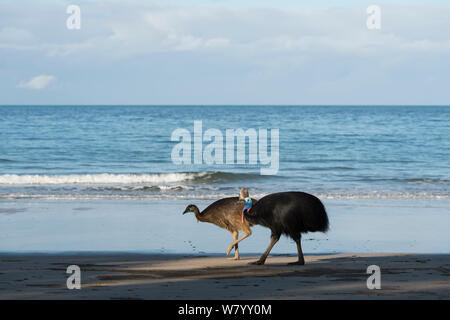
<point>226,213</point>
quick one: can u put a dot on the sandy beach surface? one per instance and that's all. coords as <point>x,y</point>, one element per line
<point>165,276</point>
<point>146,249</point>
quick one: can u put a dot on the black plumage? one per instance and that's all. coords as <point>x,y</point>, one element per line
<point>291,214</point>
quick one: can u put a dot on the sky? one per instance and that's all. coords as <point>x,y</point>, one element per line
<point>225,52</point>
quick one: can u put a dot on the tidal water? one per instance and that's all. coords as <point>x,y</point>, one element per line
<point>125,151</point>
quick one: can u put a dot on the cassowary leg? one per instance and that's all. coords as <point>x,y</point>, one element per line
<point>236,246</point>
<point>273,239</point>
<point>301,260</point>
<point>247,234</point>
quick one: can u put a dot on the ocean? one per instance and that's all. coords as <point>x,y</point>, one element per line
<point>104,178</point>
<point>351,152</point>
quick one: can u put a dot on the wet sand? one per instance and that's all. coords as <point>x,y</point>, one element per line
<point>164,276</point>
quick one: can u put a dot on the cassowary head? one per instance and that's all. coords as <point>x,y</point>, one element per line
<point>243,193</point>
<point>190,208</point>
<point>250,210</point>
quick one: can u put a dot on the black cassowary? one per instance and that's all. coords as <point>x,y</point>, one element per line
<point>291,214</point>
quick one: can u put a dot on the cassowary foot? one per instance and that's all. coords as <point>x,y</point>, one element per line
<point>257,263</point>
<point>296,263</point>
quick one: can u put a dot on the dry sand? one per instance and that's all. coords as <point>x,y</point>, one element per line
<point>152,276</point>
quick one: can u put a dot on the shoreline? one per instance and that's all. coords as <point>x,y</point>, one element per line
<point>158,226</point>
<point>184,276</point>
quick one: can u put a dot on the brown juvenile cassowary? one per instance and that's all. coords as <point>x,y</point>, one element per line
<point>227,214</point>
<point>291,214</point>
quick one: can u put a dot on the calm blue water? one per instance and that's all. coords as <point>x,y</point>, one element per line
<point>125,151</point>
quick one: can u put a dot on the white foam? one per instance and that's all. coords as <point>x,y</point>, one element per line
<point>212,196</point>
<point>103,178</point>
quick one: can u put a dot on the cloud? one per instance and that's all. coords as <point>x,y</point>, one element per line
<point>37,83</point>
<point>134,28</point>
<point>252,52</point>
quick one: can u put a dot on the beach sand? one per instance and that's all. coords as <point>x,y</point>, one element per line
<point>165,276</point>
<point>165,255</point>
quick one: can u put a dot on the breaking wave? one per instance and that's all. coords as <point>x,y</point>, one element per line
<point>216,196</point>
<point>107,178</point>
